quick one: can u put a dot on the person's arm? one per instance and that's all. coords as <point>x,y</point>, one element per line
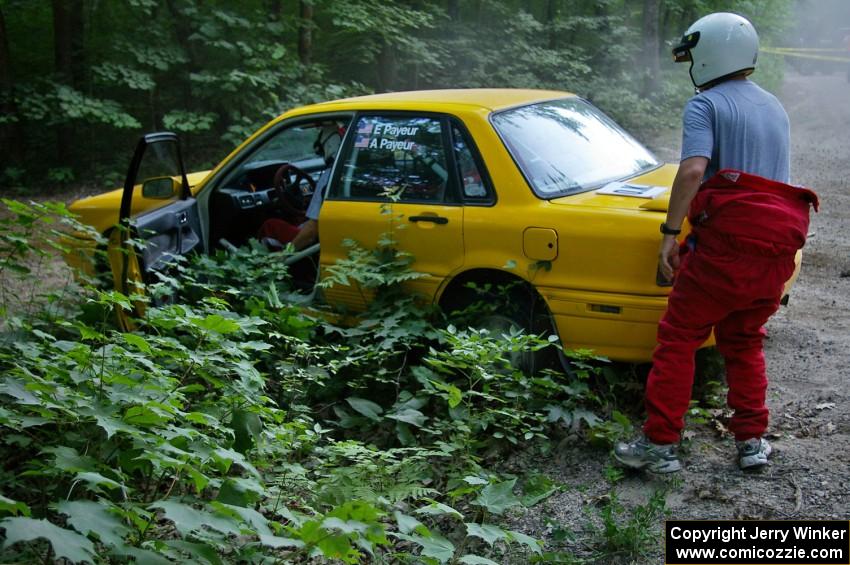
<point>685,186</point>
<point>307,235</point>
<point>309,232</point>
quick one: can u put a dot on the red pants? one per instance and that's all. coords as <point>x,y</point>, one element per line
<point>278,229</point>
<point>734,292</point>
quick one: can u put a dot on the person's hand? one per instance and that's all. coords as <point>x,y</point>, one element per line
<point>668,256</point>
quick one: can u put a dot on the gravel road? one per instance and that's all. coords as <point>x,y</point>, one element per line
<point>808,356</point>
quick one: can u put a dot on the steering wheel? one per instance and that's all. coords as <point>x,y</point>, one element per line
<point>287,184</point>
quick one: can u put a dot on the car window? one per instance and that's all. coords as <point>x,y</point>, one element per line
<point>160,160</point>
<point>311,146</point>
<point>472,182</point>
<point>291,144</point>
<point>568,146</point>
<point>395,157</point>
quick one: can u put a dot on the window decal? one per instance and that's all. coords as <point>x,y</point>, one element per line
<point>396,157</point>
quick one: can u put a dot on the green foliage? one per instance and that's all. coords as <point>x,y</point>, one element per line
<point>217,71</point>
<point>370,270</point>
<point>630,535</point>
<point>612,533</point>
<point>114,74</point>
<point>229,426</point>
<point>188,122</point>
<point>30,235</point>
<point>65,543</point>
<point>617,428</point>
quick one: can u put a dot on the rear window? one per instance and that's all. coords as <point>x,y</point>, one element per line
<point>567,146</point>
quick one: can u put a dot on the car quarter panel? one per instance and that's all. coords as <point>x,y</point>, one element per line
<point>600,286</point>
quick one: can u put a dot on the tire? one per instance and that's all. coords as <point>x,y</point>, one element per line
<point>498,307</point>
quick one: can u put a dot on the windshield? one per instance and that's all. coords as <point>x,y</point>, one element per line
<point>568,146</point>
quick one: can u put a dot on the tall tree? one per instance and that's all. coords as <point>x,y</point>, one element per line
<point>651,47</point>
<point>386,63</point>
<point>68,41</point>
<point>305,32</point>
<point>68,61</point>
<point>275,9</point>
<point>551,14</point>
<point>183,29</point>
<point>10,134</point>
<point>453,9</point>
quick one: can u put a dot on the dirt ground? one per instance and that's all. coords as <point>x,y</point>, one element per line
<point>808,353</point>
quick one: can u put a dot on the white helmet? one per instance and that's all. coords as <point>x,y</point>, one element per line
<point>718,45</point>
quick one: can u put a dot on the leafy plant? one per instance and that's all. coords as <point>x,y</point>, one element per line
<point>630,534</point>
<point>197,428</point>
<point>612,533</point>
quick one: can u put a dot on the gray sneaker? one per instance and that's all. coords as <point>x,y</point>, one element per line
<point>643,454</point>
<point>753,453</point>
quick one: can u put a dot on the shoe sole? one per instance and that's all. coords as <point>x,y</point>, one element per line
<point>658,467</point>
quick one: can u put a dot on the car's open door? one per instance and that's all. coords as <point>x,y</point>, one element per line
<point>146,243</point>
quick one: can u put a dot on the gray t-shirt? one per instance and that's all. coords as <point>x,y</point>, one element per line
<point>738,125</point>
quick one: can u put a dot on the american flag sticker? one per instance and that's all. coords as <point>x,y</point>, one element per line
<point>365,128</point>
<point>362,141</point>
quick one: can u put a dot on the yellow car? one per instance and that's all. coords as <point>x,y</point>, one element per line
<point>491,185</point>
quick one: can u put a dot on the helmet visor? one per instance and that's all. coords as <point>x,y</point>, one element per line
<point>682,51</point>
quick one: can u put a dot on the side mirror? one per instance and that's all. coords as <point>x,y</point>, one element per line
<point>160,188</point>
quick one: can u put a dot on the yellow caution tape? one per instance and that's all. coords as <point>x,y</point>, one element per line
<point>802,55</point>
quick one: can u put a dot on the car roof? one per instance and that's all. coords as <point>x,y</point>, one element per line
<point>486,98</point>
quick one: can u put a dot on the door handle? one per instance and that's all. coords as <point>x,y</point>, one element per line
<point>433,219</point>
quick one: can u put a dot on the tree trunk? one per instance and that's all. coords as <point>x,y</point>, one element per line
<point>651,43</point>
<point>276,9</point>
<point>183,29</point>
<point>453,10</point>
<point>10,134</point>
<point>551,14</point>
<point>67,61</point>
<point>5,57</point>
<point>479,10</point>
<point>386,68</point>
<point>68,41</point>
<point>600,53</point>
<point>664,29</point>
<point>305,32</point>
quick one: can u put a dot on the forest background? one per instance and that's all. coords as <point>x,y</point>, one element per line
<point>81,79</point>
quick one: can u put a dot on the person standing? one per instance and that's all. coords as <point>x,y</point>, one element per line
<point>747,225</point>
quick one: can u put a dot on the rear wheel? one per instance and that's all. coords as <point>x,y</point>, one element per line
<point>501,307</point>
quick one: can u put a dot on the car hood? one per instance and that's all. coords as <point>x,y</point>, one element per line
<point>662,176</point>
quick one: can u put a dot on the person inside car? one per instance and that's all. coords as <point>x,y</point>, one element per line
<point>275,233</point>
